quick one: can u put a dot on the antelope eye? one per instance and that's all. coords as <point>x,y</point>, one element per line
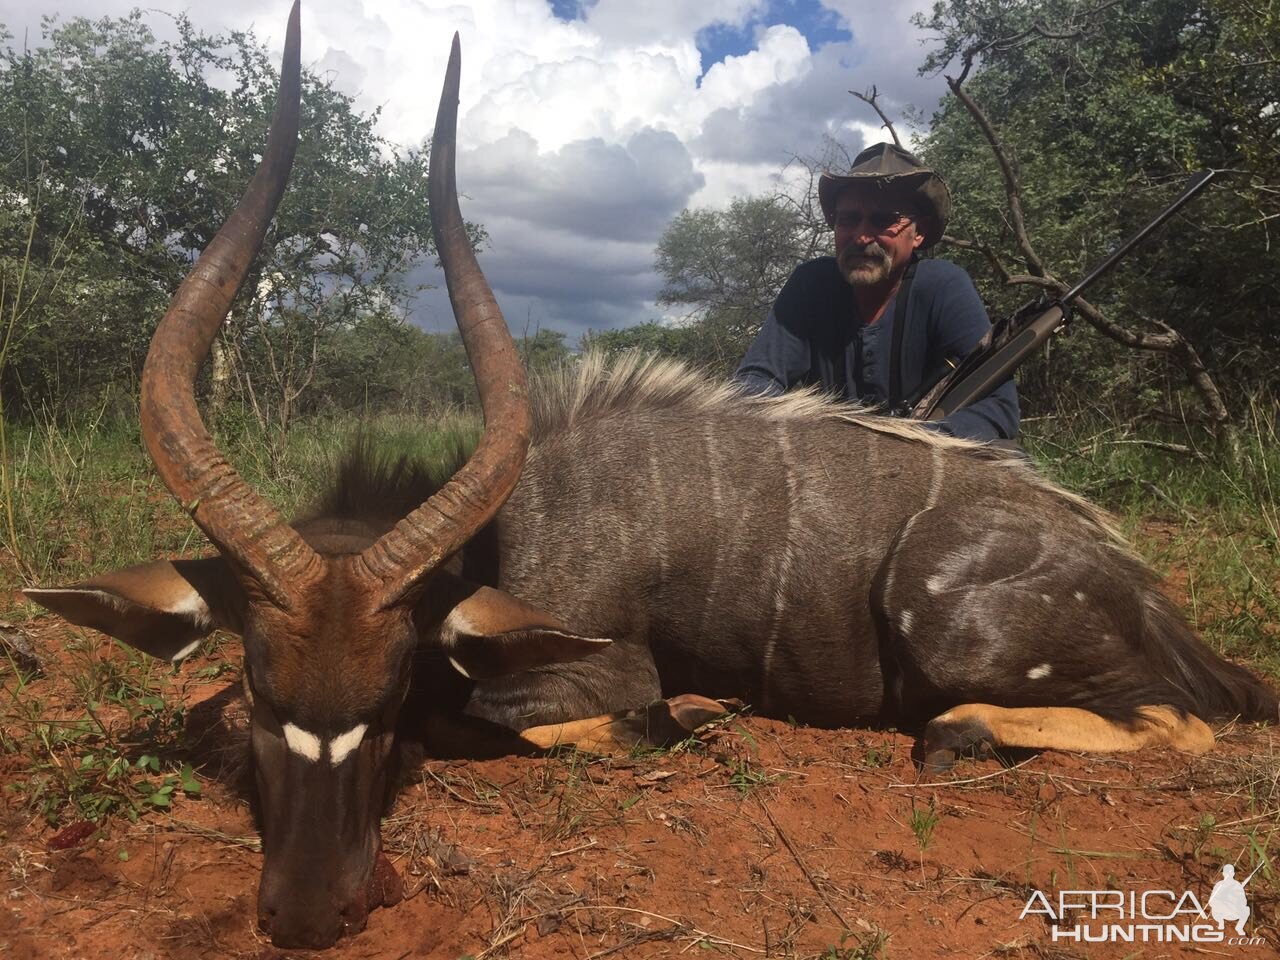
<point>260,707</point>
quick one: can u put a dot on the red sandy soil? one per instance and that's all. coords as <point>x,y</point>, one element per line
<point>765,840</point>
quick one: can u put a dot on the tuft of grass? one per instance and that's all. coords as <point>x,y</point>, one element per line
<point>852,946</point>
<point>923,821</point>
<point>571,799</point>
<point>745,777</point>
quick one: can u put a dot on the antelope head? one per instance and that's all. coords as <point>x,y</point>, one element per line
<point>329,625</point>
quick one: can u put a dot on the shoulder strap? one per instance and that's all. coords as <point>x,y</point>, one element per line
<point>899,326</point>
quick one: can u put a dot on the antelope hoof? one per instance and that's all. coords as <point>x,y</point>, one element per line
<point>690,711</point>
<point>665,723</point>
<point>946,740</point>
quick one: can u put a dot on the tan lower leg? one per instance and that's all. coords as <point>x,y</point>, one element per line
<point>661,723</point>
<point>603,734</point>
<point>1070,728</point>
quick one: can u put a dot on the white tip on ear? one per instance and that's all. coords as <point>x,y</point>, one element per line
<point>186,651</point>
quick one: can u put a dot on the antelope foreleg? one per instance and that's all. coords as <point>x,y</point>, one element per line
<point>980,725</point>
<point>660,724</point>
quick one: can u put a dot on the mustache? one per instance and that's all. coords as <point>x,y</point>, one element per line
<point>870,250</point>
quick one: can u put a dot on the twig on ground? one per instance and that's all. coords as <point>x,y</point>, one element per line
<point>958,783</point>
<point>804,868</point>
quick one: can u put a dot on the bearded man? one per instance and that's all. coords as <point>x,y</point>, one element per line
<point>877,322</point>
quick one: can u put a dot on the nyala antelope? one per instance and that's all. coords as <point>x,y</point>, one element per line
<point>628,534</point>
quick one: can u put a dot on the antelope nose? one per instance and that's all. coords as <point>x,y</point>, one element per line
<point>293,923</point>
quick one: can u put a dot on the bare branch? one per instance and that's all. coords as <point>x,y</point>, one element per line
<point>993,258</point>
<point>1171,341</point>
<point>870,100</point>
<point>1012,187</point>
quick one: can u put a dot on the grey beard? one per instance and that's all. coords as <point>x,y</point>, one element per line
<point>859,270</point>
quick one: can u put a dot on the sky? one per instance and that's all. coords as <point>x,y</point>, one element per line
<point>585,126</point>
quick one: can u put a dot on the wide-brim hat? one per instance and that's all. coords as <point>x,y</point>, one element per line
<point>888,167</point>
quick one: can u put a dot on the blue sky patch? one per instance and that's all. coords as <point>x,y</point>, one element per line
<point>819,25</point>
<point>566,10</point>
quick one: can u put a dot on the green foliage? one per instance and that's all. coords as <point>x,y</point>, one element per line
<point>114,757</point>
<point>1104,120</point>
<point>869,946</point>
<point>126,154</point>
<point>683,342</point>
<point>745,777</point>
<point>727,266</point>
<point>923,821</point>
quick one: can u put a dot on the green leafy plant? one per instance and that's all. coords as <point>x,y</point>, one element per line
<point>923,821</point>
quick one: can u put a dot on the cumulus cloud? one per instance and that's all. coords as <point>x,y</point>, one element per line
<point>581,138</point>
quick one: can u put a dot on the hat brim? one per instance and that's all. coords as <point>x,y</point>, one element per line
<point>923,188</point>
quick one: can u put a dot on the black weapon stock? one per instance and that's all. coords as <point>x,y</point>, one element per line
<point>1014,338</point>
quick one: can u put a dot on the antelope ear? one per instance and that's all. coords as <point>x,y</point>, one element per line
<point>489,633</point>
<point>163,608</point>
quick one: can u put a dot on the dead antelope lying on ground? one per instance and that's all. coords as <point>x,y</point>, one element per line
<point>666,537</point>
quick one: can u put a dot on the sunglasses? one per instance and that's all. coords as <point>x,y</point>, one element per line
<point>882,221</point>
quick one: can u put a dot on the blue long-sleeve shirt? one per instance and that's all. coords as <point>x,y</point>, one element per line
<point>813,335</point>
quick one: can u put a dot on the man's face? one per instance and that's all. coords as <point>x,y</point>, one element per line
<point>875,236</point>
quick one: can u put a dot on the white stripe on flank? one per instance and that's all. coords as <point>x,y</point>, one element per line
<point>792,507</point>
<point>302,743</point>
<point>342,745</point>
<point>935,480</point>
<point>905,622</point>
<point>710,603</point>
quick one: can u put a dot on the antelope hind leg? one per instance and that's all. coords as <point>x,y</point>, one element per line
<point>980,726</point>
<point>660,724</point>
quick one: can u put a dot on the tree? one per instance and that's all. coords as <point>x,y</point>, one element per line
<point>678,342</point>
<point>1070,124</point>
<point>728,266</point>
<point>128,157</point>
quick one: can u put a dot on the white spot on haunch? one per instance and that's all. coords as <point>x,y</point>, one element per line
<point>936,584</point>
<point>1046,598</point>
<point>186,651</point>
<point>1079,595</point>
<point>905,622</point>
<point>342,745</point>
<point>1040,672</point>
<point>302,743</point>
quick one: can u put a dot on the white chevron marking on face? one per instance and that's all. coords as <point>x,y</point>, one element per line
<point>302,743</point>
<point>342,745</point>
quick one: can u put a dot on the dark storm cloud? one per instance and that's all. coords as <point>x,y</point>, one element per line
<point>596,189</point>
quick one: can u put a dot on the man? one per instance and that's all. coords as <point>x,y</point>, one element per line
<point>839,321</point>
